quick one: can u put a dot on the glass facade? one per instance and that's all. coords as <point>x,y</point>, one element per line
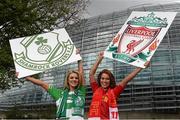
<point>156,88</point>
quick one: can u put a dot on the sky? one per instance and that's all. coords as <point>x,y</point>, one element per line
<point>98,7</point>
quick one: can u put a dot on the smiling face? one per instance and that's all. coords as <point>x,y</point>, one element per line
<point>105,81</point>
<point>73,81</point>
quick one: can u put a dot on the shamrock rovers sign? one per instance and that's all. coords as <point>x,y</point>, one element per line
<point>40,52</point>
<point>139,37</point>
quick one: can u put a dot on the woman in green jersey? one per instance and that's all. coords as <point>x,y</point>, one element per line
<point>70,100</point>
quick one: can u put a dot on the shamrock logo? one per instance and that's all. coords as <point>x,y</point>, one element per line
<point>43,49</point>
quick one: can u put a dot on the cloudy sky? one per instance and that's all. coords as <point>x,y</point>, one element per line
<point>98,7</point>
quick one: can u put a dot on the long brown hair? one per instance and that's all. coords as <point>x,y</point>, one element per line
<point>66,84</point>
<point>111,76</point>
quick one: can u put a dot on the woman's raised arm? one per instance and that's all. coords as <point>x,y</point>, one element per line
<point>38,82</point>
<point>80,68</point>
<point>128,78</point>
<point>95,66</point>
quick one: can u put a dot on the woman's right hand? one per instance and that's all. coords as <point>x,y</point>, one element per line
<point>28,78</point>
<point>17,73</point>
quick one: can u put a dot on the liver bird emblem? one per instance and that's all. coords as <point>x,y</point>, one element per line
<point>132,45</point>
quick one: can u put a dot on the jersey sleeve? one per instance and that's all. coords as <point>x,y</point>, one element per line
<point>118,90</point>
<point>83,90</point>
<point>94,86</point>
<point>55,92</point>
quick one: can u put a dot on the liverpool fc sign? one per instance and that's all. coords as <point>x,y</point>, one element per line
<point>139,37</point>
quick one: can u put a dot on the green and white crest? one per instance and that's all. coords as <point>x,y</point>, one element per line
<point>44,51</point>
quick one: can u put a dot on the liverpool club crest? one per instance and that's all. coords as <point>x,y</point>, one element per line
<point>139,38</point>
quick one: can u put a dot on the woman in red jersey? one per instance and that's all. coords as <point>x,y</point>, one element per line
<point>105,92</point>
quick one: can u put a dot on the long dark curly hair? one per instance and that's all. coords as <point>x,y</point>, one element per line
<point>111,76</point>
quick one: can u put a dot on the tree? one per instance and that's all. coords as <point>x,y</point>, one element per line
<point>19,18</point>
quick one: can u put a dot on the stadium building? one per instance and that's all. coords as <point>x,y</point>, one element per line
<point>153,93</point>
